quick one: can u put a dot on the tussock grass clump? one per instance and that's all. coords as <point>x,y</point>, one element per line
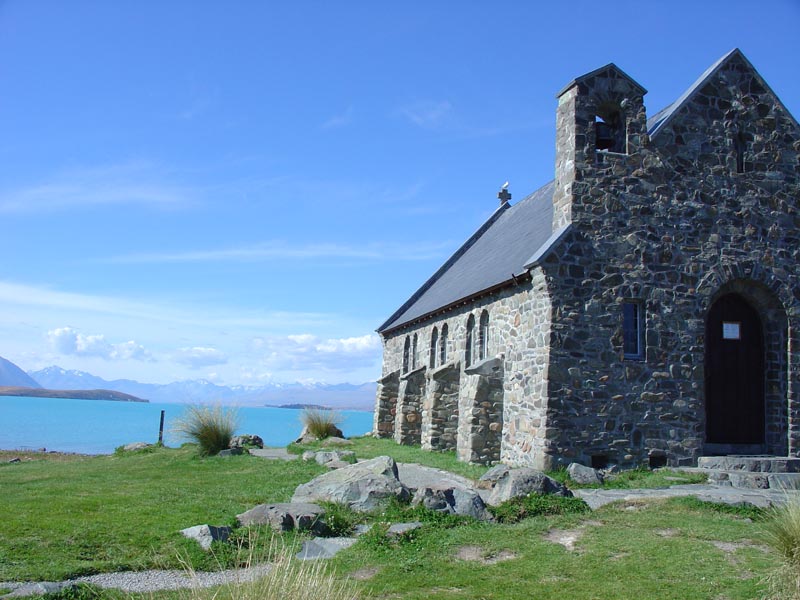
<point>287,579</point>
<point>782,533</point>
<point>321,423</point>
<point>211,427</point>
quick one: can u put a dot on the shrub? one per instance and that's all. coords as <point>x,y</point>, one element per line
<point>210,427</point>
<point>321,423</point>
<point>782,533</point>
<point>534,505</point>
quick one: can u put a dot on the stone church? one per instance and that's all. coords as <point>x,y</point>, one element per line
<point>641,309</point>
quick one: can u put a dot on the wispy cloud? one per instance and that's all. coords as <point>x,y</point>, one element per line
<point>200,356</point>
<point>309,352</point>
<point>135,183</point>
<point>340,120</point>
<point>68,341</point>
<point>426,113</point>
<point>274,250</point>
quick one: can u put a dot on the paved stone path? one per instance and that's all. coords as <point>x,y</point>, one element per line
<point>596,498</point>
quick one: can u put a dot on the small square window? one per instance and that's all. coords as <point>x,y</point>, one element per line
<point>633,330</point>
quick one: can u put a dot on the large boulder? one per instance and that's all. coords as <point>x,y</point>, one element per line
<point>521,482</point>
<point>454,500</point>
<point>584,475</point>
<point>325,456</point>
<point>490,478</point>
<point>307,437</point>
<point>363,486</point>
<point>285,516</point>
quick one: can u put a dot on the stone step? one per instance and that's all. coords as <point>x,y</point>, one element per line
<point>752,464</point>
<point>755,481</point>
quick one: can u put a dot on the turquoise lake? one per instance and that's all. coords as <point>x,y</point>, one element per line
<point>99,426</point>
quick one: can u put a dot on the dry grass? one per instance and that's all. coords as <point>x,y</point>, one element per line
<point>321,423</point>
<point>782,533</point>
<point>212,427</point>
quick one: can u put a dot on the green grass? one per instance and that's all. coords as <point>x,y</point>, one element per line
<point>663,550</point>
<point>634,478</point>
<point>124,511</point>
<point>370,447</point>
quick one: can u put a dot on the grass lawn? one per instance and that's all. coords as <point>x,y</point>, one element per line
<point>70,515</point>
<point>80,515</point>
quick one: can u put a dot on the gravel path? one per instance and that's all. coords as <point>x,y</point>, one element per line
<point>144,581</point>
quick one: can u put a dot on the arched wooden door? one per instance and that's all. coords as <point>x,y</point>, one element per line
<point>734,373</point>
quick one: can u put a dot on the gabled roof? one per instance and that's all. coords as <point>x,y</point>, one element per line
<point>494,255</point>
<point>657,122</point>
<point>609,67</point>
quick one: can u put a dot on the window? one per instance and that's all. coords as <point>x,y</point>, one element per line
<point>483,336</point>
<point>741,147</point>
<point>632,329</point>
<point>434,347</point>
<point>406,352</point>
<point>470,335</point>
<point>610,133</point>
<point>443,346</point>
<point>414,353</point>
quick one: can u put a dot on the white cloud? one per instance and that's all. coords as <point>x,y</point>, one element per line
<point>307,352</point>
<point>68,341</point>
<point>200,356</point>
<point>340,120</point>
<point>426,113</point>
<point>273,250</point>
<point>135,183</point>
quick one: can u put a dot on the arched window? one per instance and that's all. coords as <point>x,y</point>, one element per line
<point>483,336</point>
<point>443,346</point>
<point>434,344</point>
<point>406,351</point>
<point>609,128</point>
<point>414,353</point>
<point>470,336</point>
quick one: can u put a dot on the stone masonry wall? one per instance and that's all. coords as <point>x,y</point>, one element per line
<point>440,408</point>
<point>673,225</point>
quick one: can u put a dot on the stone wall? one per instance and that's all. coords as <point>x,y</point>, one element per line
<point>673,225</point>
<point>440,409</point>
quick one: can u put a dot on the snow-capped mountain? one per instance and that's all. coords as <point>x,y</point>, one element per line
<point>341,396</point>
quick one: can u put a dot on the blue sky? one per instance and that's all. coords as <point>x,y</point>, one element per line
<point>244,191</point>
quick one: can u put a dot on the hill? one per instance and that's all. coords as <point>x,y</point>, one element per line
<point>11,374</point>
<point>342,396</point>
<point>76,394</point>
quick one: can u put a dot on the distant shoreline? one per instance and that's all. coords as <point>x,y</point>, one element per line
<point>70,394</point>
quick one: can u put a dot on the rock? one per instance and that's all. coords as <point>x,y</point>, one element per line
<point>309,455</point>
<point>246,440</point>
<point>326,456</point>
<point>136,446</point>
<point>16,459</point>
<point>584,475</point>
<point>524,481</point>
<point>337,464</point>
<point>317,548</point>
<point>41,588</point>
<point>363,486</point>
<point>453,500</point>
<point>285,516</point>
<point>231,452</point>
<point>397,529</point>
<point>306,437</point>
<point>337,441</point>
<point>205,534</point>
<point>487,481</point>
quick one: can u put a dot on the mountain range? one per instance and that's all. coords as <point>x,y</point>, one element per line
<point>340,396</point>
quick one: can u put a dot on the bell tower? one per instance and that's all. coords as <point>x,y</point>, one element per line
<point>600,120</point>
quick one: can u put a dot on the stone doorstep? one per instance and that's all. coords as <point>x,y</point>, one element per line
<point>753,464</point>
<point>756,481</point>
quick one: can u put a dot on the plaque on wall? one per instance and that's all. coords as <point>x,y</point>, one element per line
<point>731,330</point>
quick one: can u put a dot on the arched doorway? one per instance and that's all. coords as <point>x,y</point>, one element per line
<point>734,373</point>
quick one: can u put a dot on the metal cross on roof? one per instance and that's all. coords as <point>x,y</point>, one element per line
<point>504,195</point>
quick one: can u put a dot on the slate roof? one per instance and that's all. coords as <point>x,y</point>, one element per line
<point>497,252</point>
